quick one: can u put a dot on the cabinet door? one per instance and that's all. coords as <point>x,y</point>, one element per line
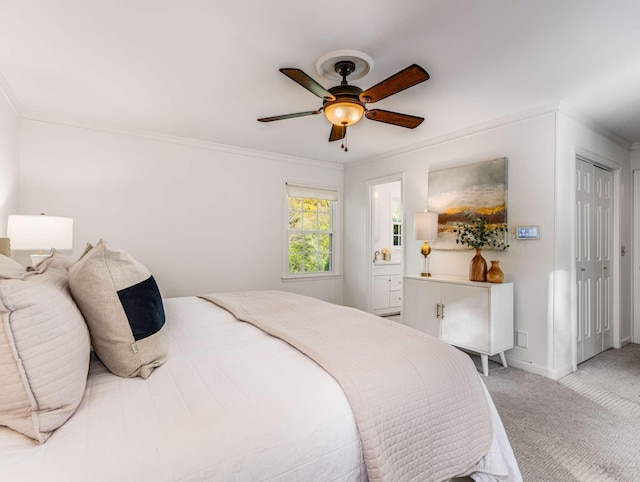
<point>420,303</point>
<point>466,316</point>
<point>381,292</point>
<point>395,299</point>
<point>396,282</point>
<point>395,294</point>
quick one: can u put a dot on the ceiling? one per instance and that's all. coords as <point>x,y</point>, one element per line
<point>207,70</point>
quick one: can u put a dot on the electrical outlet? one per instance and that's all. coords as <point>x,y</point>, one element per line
<point>522,339</point>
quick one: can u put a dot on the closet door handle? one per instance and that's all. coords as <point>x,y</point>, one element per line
<point>437,311</point>
<point>442,312</point>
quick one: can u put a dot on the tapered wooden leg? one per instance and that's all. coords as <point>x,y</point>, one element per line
<point>485,365</point>
<point>503,359</point>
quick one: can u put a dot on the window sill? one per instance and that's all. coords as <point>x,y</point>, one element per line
<point>309,277</point>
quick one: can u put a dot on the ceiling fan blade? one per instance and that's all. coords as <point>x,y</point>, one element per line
<point>337,132</point>
<point>412,75</point>
<point>289,116</point>
<point>308,83</point>
<point>402,120</point>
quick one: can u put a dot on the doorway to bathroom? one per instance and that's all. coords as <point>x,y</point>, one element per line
<point>385,245</point>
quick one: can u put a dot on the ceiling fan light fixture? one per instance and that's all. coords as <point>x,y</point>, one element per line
<point>343,113</point>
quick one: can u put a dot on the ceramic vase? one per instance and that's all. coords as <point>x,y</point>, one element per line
<point>478,267</point>
<point>495,274</point>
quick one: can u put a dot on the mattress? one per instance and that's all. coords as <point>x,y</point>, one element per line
<point>231,403</point>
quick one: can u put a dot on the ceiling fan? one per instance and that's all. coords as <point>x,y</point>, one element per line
<point>345,104</point>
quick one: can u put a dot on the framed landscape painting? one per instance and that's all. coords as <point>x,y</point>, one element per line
<point>480,189</point>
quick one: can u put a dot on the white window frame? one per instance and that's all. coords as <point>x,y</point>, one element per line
<point>336,224</point>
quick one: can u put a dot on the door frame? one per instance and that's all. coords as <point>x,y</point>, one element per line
<point>370,185</point>
<point>600,161</point>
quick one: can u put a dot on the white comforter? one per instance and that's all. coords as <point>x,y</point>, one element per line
<point>231,404</point>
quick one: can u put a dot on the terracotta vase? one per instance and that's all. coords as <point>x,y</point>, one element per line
<point>478,267</point>
<point>495,274</point>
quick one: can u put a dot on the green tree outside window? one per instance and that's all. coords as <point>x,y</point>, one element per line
<point>310,236</point>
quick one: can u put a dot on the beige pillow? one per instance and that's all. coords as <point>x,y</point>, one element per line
<point>123,308</point>
<point>10,269</point>
<point>44,353</point>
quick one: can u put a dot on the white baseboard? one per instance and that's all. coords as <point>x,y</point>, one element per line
<point>539,370</point>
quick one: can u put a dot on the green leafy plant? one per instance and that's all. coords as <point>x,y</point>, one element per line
<point>477,233</point>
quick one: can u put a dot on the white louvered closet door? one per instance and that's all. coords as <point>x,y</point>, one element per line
<point>593,259</point>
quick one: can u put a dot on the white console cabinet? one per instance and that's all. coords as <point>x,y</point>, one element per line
<point>471,315</point>
<point>387,288</point>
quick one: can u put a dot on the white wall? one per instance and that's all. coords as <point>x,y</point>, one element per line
<point>9,141</point>
<point>529,145</point>
<point>208,220</point>
<point>541,176</point>
<point>201,219</point>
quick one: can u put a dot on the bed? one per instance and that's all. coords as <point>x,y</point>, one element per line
<point>231,403</point>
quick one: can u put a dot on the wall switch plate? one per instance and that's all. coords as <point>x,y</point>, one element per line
<point>522,339</point>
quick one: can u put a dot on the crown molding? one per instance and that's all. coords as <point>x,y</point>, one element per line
<point>549,108</point>
<point>462,133</point>
<point>588,122</point>
<point>10,96</point>
<point>185,141</point>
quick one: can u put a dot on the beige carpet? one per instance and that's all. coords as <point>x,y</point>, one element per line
<point>582,428</point>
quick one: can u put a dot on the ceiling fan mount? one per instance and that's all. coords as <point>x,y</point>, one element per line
<point>344,68</point>
<point>345,104</point>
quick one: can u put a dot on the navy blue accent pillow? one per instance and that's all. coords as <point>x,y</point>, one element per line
<point>142,304</point>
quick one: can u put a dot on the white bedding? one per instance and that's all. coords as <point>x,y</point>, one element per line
<point>231,404</point>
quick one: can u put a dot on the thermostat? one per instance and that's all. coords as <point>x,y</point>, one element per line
<point>527,232</point>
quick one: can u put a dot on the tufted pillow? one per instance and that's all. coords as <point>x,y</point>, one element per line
<point>123,308</point>
<point>44,352</point>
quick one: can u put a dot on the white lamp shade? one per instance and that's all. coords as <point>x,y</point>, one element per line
<point>425,225</point>
<point>40,232</point>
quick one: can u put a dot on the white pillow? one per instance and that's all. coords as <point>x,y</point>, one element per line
<point>44,352</point>
<point>123,308</point>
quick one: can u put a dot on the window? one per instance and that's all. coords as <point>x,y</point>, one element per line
<point>310,235</point>
<point>396,222</point>
<point>397,235</point>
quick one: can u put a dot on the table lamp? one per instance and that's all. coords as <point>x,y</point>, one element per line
<point>425,225</point>
<point>39,233</point>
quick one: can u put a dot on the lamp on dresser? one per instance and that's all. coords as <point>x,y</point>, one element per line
<point>425,225</point>
<point>39,233</point>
